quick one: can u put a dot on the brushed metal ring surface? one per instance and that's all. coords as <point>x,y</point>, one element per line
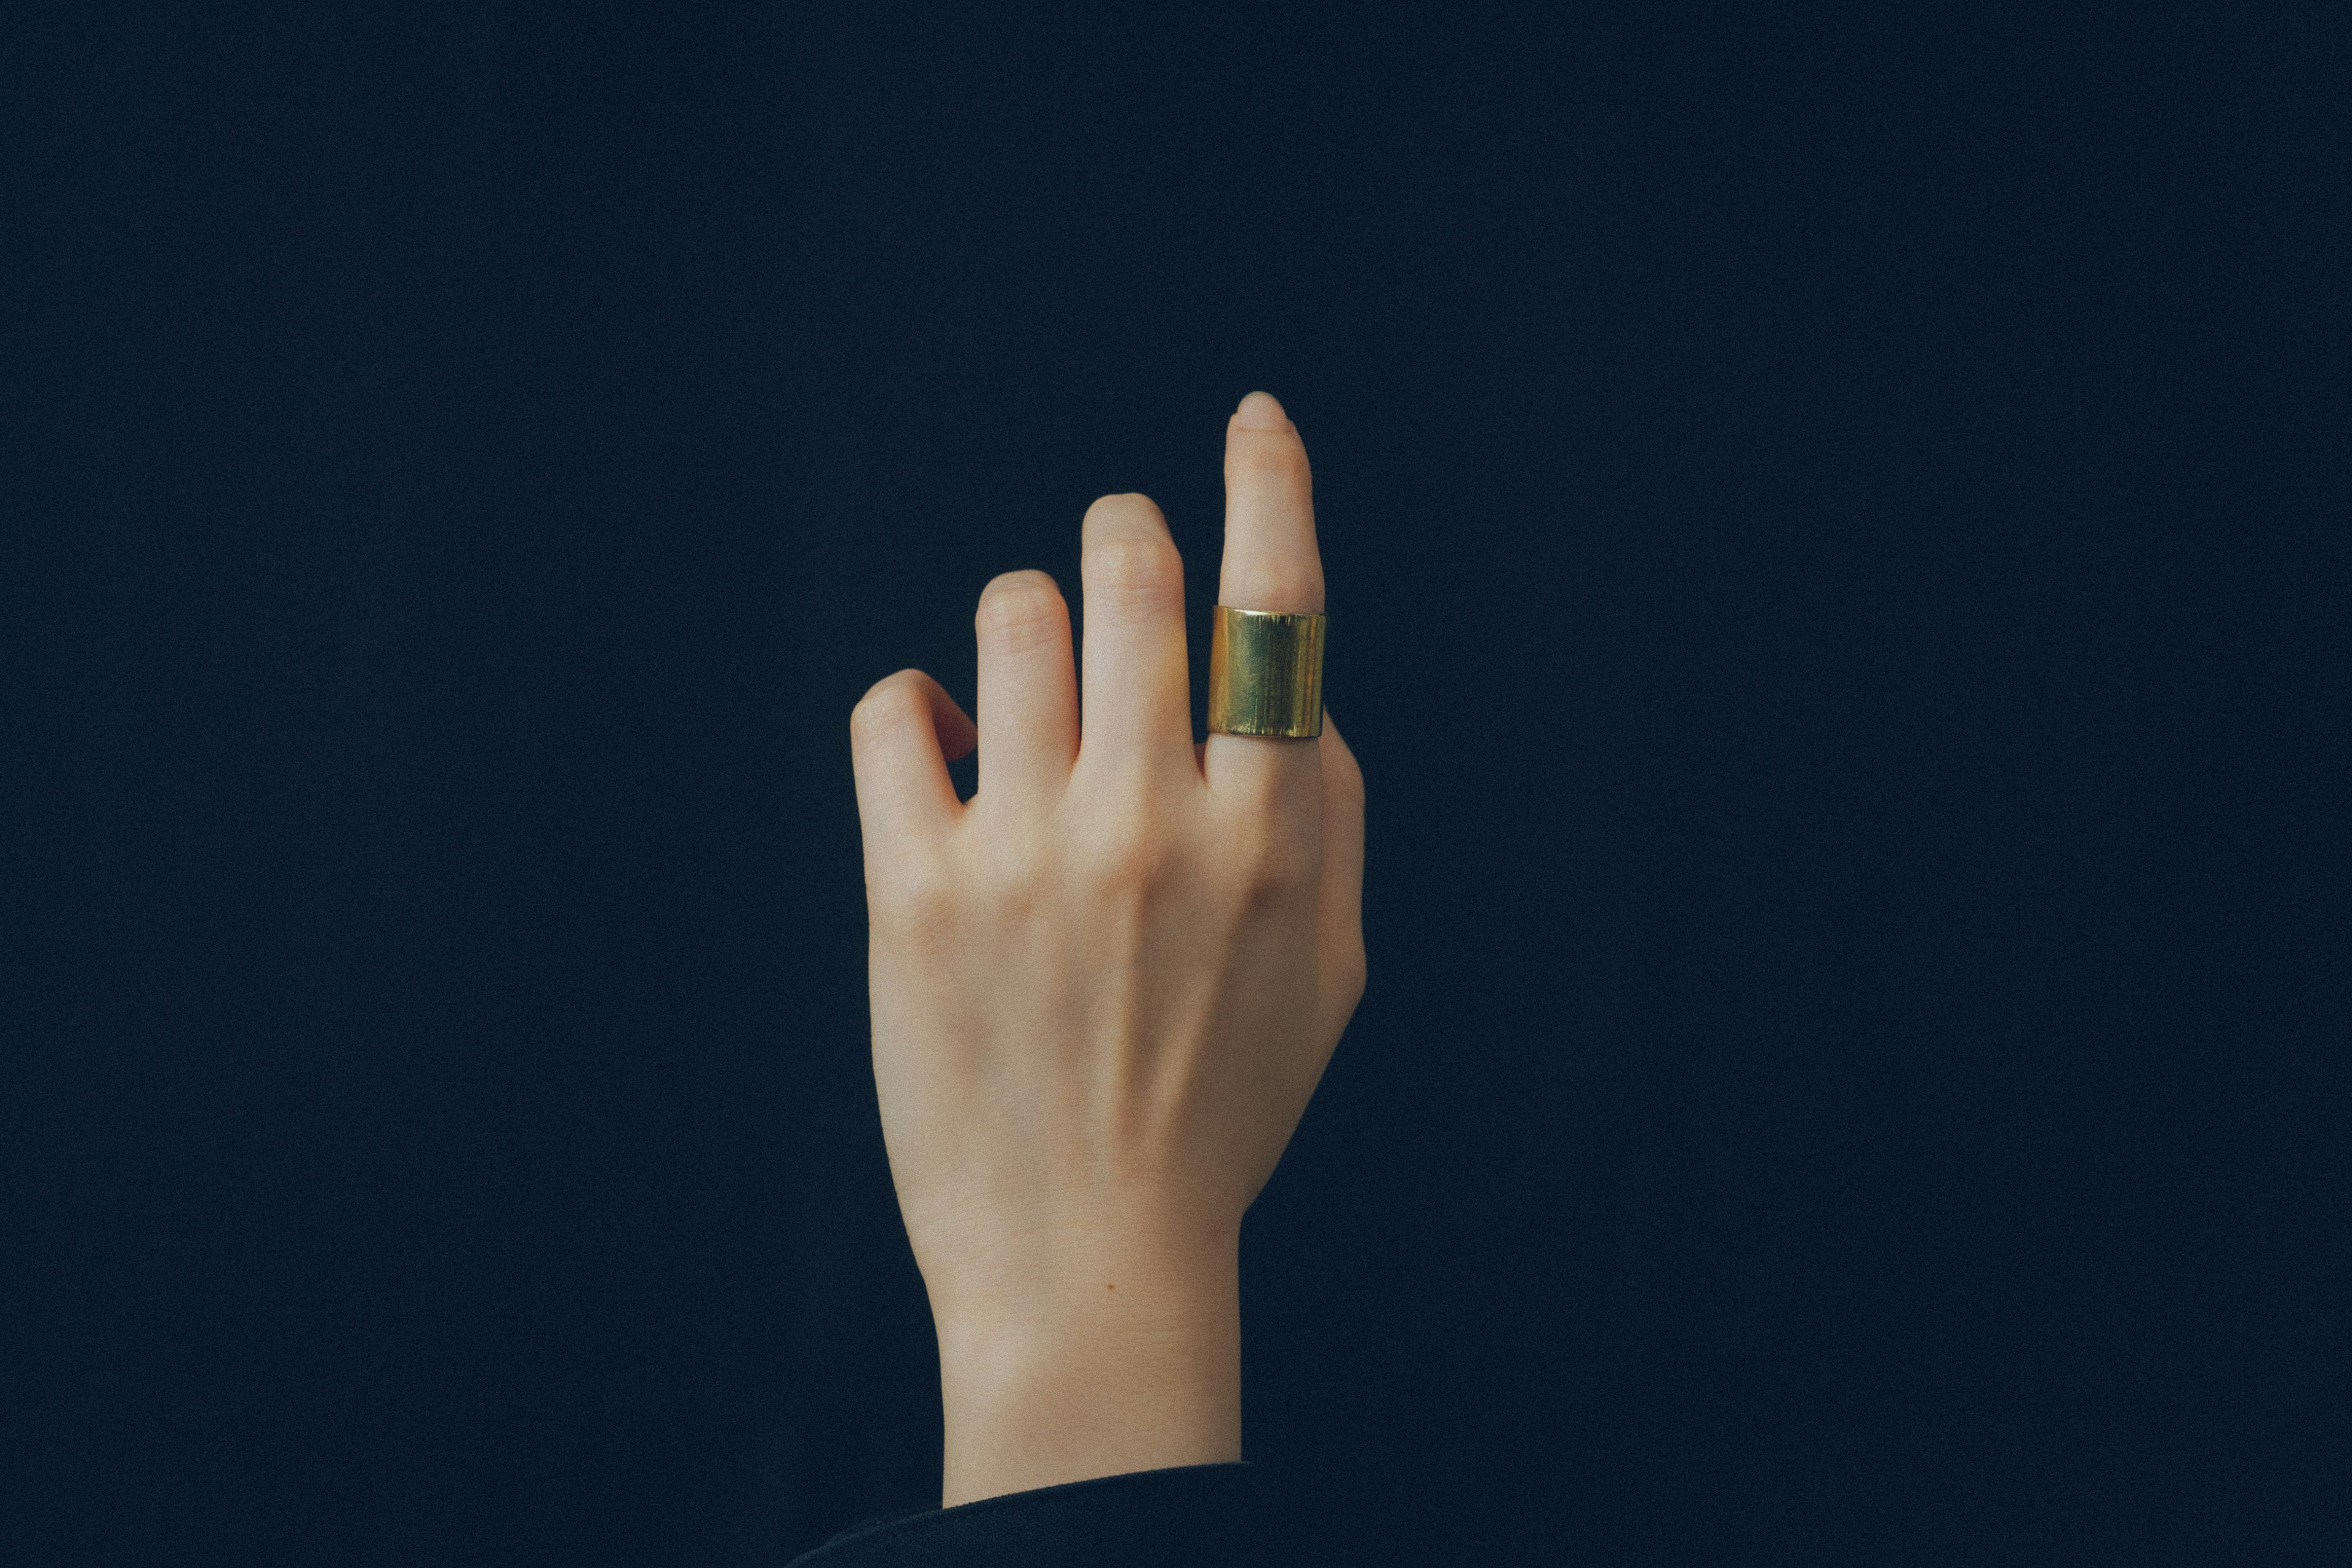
<point>1266,673</point>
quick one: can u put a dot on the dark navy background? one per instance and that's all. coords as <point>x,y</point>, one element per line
<point>1832,534</point>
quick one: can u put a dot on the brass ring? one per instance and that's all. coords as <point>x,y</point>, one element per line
<point>1266,673</point>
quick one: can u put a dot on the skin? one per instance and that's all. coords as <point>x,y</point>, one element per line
<point>1104,989</point>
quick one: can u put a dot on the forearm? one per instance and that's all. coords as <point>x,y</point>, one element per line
<point>1131,1364</point>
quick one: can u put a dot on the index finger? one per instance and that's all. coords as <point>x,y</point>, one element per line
<point>1271,562</point>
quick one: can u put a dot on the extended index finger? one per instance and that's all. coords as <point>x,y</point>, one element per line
<point>1271,562</point>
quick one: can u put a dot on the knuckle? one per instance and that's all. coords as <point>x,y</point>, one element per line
<point>893,701</point>
<point>1020,611</point>
<point>915,900</point>
<point>1279,457</point>
<point>1129,855</point>
<point>1353,975</point>
<point>1015,885</point>
<point>1346,776</point>
<point>1129,571</point>
<point>1269,868</point>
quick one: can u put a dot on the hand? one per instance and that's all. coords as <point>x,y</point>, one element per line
<point>1104,989</point>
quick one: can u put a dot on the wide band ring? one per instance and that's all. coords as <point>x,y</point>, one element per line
<point>1266,674</point>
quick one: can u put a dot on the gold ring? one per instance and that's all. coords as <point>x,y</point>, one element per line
<point>1266,673</point>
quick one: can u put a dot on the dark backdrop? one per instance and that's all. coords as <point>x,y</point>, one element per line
<point>1829,559</point>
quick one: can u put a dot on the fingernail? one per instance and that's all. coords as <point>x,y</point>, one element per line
<point>1259,411</point>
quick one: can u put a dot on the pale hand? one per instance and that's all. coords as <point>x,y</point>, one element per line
<point>1104,989</point>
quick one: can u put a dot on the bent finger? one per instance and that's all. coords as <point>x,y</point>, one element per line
<point>902,734</point>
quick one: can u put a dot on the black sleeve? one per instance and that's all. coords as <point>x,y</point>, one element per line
<point>1181,1518</point>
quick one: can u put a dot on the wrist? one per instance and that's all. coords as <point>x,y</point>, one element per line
<point>1127,1361</point>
